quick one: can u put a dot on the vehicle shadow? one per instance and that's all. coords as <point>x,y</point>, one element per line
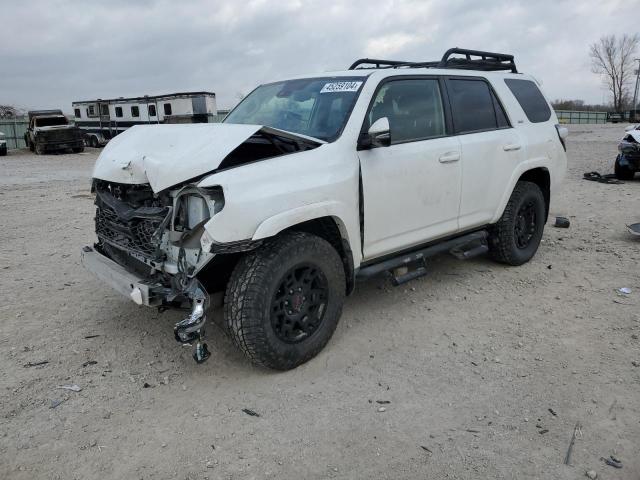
<point>146,335</point>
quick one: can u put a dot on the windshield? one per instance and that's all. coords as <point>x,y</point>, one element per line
<point>316,107</point>
<point>50,121</point>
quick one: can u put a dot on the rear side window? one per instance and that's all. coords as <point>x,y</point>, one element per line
<point>474,106</point>
<point>530,99</point>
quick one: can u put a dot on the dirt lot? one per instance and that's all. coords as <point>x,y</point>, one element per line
<point>472,358</point>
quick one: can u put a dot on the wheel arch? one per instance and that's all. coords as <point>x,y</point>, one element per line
<point>541,177</point>
<point>538,174</point>
<point>217,272</point>
<point>333,231</point>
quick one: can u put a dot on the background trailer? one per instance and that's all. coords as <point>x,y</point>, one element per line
<point>102,120</point>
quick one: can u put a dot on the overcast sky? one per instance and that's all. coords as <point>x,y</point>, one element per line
<point>56,51</point>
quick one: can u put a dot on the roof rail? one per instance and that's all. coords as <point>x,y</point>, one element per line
<point>377,63</point>
<point>486,61</point>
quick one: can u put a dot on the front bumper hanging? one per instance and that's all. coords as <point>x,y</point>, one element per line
<point>119,278</point>
<point>188,331</point>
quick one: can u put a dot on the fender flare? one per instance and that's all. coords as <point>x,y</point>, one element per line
<point>283,220</point>
<point>328,209</point>
<point>518,172</point>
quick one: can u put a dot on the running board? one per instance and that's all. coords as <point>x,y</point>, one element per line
<point>464,247</point>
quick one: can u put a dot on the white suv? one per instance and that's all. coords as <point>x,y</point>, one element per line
<point>314,182</point>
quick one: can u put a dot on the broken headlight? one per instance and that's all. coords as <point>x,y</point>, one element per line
<point>193,207</point>
<point>191,210</point>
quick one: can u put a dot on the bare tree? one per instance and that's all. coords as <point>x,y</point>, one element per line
<point>8,111</point>
<point>612,58</point>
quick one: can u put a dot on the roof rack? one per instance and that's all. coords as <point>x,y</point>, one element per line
<point>486,61</point>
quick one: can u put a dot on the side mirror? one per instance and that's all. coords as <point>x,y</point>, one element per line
<point>378,135</point>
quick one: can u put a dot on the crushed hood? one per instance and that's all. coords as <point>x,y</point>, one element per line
<point>166,155</point>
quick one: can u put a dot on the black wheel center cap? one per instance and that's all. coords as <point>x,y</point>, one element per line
<point>297,302</point>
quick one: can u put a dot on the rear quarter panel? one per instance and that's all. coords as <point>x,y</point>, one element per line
<point>542,147</point>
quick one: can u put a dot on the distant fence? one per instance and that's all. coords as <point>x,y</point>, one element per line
<point>14,130</point>
<point>573,116</point>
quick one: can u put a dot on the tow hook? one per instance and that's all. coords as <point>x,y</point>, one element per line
<point>191,329</point>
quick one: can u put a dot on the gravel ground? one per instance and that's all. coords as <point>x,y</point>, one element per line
<point>472,358</point>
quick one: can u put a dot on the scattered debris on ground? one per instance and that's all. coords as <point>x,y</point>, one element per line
<point>36,364</point>
<point>250,412</point>
<point>577,431</point>
<point>564,316</point>
<point>73,388</point>
<point>612,461</point>
<point>56,403</point>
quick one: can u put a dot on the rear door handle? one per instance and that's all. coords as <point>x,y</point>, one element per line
<point>511,147</point>
<point>449,157</point>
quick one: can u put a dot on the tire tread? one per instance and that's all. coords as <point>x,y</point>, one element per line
<point>248,288</point>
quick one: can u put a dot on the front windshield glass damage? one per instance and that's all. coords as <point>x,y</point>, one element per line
<point>316,107</point>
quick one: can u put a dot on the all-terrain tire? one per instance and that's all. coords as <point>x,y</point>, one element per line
<point>254,293</point>
<point>623,172</point>
<point>515,238</point>
<point>39,149</point>
<point>94,142</point>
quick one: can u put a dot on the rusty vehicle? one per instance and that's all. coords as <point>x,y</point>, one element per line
<point>49,130</point>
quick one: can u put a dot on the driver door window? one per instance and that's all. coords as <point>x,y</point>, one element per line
<point>413,107</point>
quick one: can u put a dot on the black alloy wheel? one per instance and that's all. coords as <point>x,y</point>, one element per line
<point>525,226</point>
<point>299,304</point>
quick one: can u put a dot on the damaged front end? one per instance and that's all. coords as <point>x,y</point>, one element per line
<point>151,216</point>
<point>157,239</point>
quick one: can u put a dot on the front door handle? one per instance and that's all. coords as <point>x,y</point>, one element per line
<point>511,147</point>
<point>449,157</point>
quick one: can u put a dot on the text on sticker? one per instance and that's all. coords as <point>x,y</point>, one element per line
<point>340,87</point>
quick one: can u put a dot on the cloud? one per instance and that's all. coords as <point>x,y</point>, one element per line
<point>55,51</point>
<point>391,44</point>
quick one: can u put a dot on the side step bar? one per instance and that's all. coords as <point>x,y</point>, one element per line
<point>464,247</point>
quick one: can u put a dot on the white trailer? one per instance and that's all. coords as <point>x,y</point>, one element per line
<point>101,120</point>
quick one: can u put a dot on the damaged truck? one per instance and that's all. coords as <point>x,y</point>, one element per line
<point>628,159</point>
<point>315,182</point>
